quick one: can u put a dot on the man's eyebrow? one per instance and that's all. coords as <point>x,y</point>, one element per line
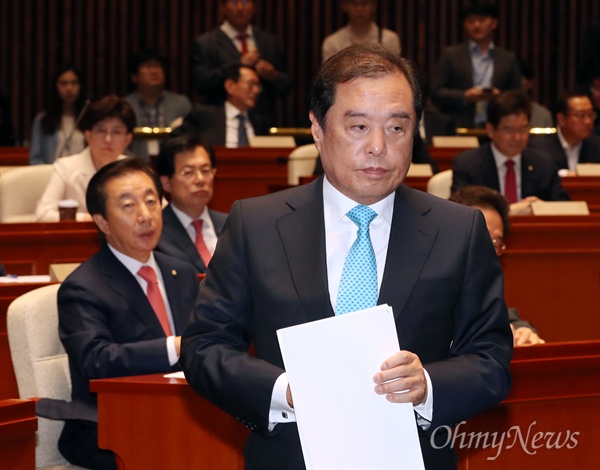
<point>400,115</point>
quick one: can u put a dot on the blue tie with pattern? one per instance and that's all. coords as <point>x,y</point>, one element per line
<point>358,285</point>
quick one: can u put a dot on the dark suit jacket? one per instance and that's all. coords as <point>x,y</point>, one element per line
<point>539,174</point>
<point>209,123</point>
<point>213,51</point>
<point>175,241</point>
<point>454,75</point>
<point>590,149</point>
<point>442,278</point>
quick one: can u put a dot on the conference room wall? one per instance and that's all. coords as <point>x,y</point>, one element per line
<point>98,35</point>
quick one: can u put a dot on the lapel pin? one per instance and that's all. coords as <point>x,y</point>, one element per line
<point>530,167</point>
<point>173,272</point>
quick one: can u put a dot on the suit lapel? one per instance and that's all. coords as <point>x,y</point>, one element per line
<point>527,175</point>
<point>303,236</point>
<point>124,284</point>
<point>489,171</point>
<point>411,239</point>
<point>172,287</point>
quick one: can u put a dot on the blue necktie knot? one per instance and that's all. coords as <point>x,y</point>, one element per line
<point>358,285</point>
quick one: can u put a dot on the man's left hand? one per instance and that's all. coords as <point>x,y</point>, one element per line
<point>402,379</point>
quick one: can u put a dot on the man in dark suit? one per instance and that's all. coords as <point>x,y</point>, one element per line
<point>190,229</point>
<point>573,142</point>
<point>534,174</point>
<point>469,74</point>
<point>237,40</point>
<point>220,124</point>
<point>279,263</point>
<point>112,321</point>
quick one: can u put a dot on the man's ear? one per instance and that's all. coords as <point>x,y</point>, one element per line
<point>316,130</point>
<point>490,130</point>
<point>229,83</point>
<point>166,183</point>
<point>561,119</point>
<point>101,223</point>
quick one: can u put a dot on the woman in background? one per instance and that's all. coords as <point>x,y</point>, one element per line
<point>108,126</point>
<point>54,132</point>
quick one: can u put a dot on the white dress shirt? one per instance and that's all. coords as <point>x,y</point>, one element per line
<point>572,152</point>
<point>133,266</point>
<point>232,34</point>
<point>208,228</point>
<point>501,159</point>
<point>232,124</point>
<point>340,233</point>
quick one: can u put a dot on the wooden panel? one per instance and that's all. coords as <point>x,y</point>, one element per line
<point>37,35</point>
<point>30,248</point>
<point>17,434</point>
<point>552,274</point>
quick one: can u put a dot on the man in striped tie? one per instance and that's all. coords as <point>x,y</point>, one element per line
<point>296,256</point>
<point>122,311</point>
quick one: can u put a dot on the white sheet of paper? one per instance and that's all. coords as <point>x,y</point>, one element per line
<point>343,423</point>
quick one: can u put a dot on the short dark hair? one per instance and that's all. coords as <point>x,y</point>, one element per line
<point>562,103</point>
<point>484,197</point>
<point>232,71</point>
<point>506,104</point>
<point>177,143</point>
<point>111,106</point>
<point>95,195</point>
<point>360,61</point>
<point>481,8</point>
<point>143,57</point>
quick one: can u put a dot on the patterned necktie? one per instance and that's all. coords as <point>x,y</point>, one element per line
<point>155,298</point>
<point>510,183</point>
<point>358,285</point>
<point>243,42</point>
<point>242,136</point>
<point>200,245</point>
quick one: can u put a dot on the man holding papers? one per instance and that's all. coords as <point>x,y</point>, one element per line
<point>287,259</point>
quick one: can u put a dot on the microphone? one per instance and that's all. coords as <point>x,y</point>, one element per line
<point>67,142</point>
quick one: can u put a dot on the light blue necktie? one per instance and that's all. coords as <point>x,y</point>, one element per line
<point>358,286</point>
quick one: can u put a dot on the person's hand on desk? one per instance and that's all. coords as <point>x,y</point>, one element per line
<point>403,372</point>
<point>523,207</point>
<point>525,336</point>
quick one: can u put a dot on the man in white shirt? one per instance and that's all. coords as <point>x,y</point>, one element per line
<point>522,175</point>
<point>122,311</point>
<point>279,263</point>
<point>190,229</point>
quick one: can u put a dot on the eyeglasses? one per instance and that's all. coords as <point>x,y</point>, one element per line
<point>499,246</point>
<point>581,115</point>
<point>252,84</point>
<point>102,133</point>
<point>510,131</point>
<point>189,173</point>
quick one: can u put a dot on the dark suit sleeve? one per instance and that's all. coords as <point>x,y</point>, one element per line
<point>94,337</point>
<point>442,91</point>
<point>481,350</point>
<point>516,322</point>
<point>215,343</point>
<point>208,62</point>
<point>272,52</point>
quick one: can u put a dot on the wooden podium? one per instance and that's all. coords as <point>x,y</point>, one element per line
<point>156,422</point>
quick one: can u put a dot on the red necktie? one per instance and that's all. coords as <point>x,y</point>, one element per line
<point>242,38</point>
<point>200,245</point>
<point>510,183</point>
<point>155,298</point>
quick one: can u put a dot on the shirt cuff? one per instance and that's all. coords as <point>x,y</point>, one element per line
<point>425,410</point>
<point>171,351</point>
<point>280,411</point>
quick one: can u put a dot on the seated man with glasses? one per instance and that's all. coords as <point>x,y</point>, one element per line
<point>573,142</point>
<point>233,122</point>
<point>190,230</point>
<point>495,210</point>
<point>522,175</point>
<point>107,127</point>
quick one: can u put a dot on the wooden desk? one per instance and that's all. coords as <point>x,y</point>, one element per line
<point>14,156</point>
<point>584,188</point>
<point>247,172</point>
<point>153,422</point>
<point>30,248</point>
<point>556,388</point>
<point>552,274</point>
<point>18,425</point>
<point>8,293</point>
<point>444,156</point>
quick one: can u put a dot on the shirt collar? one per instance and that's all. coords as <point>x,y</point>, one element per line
<point>133,265</point>
<point>564,143</point>
<point>474,48</point>
<point>501,159</point>
<point>186,220</point>
<point>337,205</point>
<point>233,33</point>
<point>231,111</point>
